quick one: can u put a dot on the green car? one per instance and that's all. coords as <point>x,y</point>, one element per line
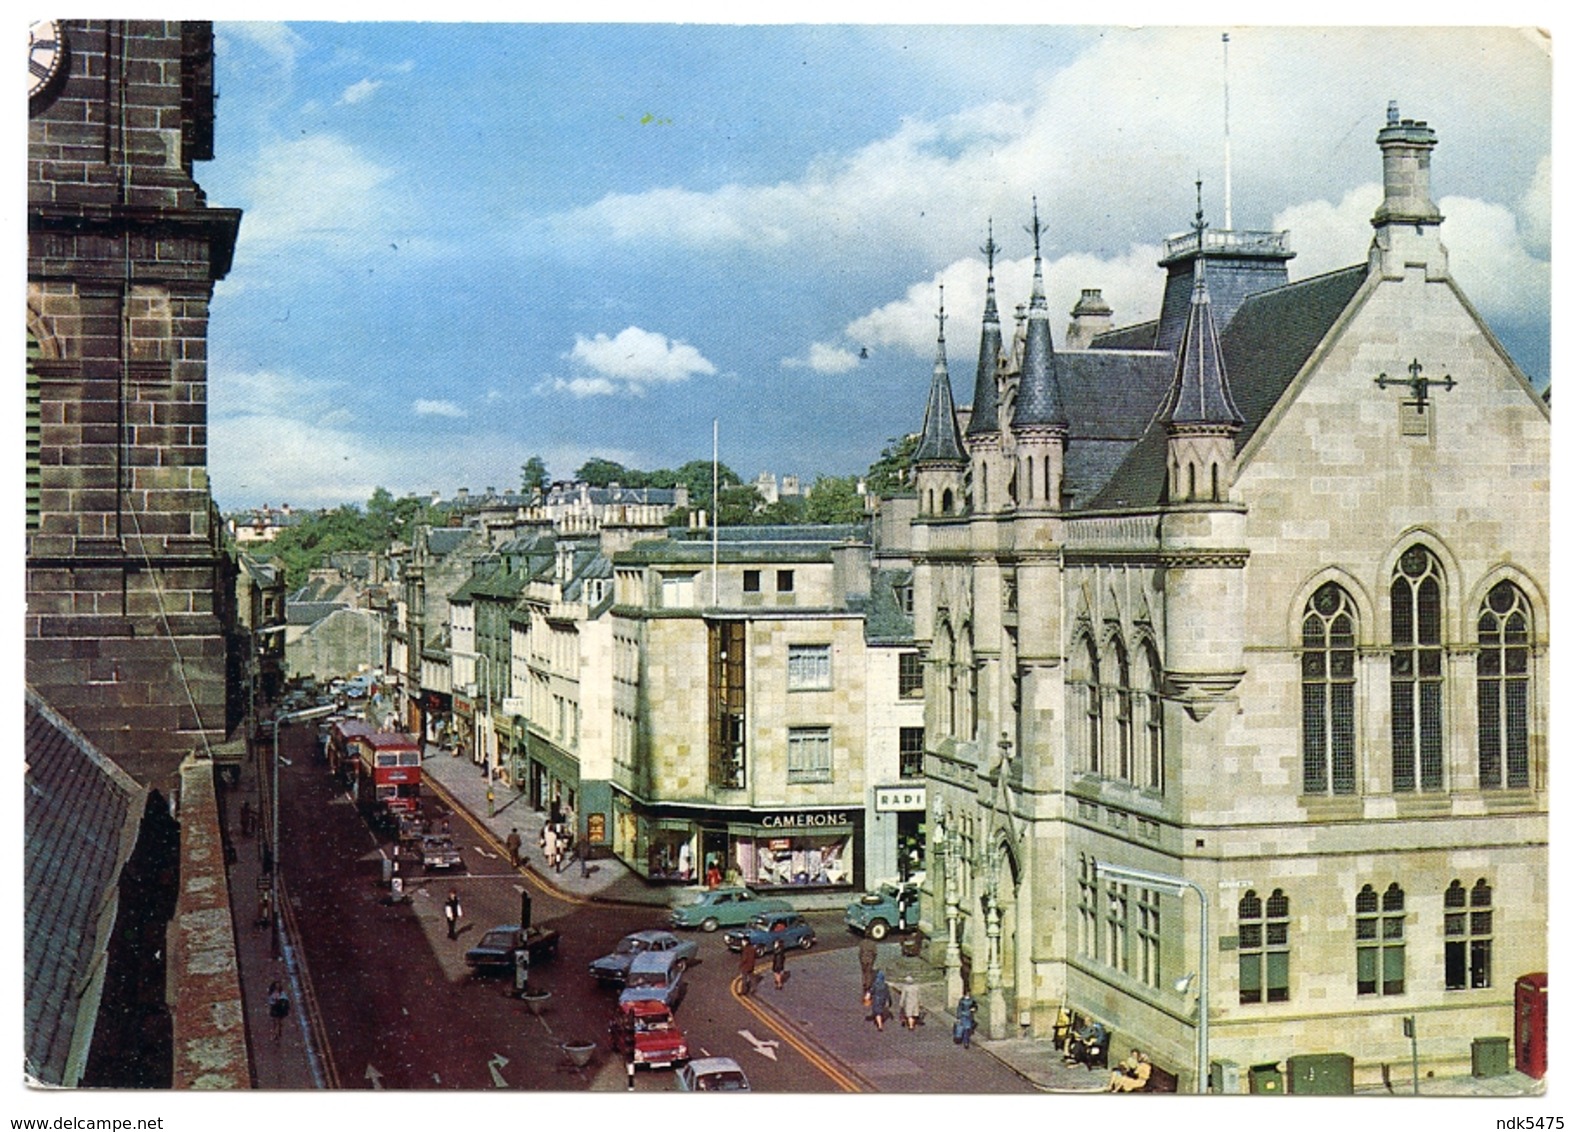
<point>890,908</point>
<point>724,907</point>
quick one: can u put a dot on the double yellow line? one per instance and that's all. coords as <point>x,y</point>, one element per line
<point>843,1080</point>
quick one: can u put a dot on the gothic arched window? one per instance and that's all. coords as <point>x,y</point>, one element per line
<point>1328,692</point>
<point>1149,687</point>
<point>1264,947</point>
<point>1417,670</point>
<point>1503,688</point>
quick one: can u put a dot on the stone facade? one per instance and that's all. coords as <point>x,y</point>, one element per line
<point>1294,656</point>
<point>123,558</point>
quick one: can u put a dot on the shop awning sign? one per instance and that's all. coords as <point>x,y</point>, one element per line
<point>900,799</point>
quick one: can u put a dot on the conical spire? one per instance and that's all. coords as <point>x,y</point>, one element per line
<point>1038,393</point>
<point>941,439</point>
<point>1201,391</point>
<point>986,397</point>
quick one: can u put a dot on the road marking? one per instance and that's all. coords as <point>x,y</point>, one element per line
<point>814,1058</point>
<point>766,1047</point>
<point>374,1077</point>
<point>497,1063</point>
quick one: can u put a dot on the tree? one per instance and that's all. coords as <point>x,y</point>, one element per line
<point>834,499</point>
<point>533,477</point>
<point>599,473</point>
<point>892,473</point>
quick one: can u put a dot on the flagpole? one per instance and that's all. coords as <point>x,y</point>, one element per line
<point>715,502</point>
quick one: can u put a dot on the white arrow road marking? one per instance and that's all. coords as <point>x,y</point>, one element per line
<point>497,1063</point>
<point>765,1047</point>
<point>484,853</point>
<point>374,1077</point>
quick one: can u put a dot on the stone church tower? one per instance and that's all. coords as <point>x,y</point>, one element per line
<point>1246,607</point>
<point>126,585</point>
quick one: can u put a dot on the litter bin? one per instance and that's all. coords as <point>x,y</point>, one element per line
<point>1489,1057</point>
<point>1265,1078</point>
<point>1224,1077</point>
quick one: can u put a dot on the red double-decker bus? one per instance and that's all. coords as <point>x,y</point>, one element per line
<point>343,752</point>
<point>388,778</point>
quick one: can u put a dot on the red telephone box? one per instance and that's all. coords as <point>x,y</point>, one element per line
<point>1530,1025</point>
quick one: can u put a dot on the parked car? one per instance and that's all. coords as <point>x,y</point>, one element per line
<point>655,976</point>
<point>712,1075</point>
<point>882,911</point>
<point>614,968</point>
<point>645,1033</point>
<point>439,852</point>
<point>495,951</point>
<point>724,907</point>
<point>768,927</point>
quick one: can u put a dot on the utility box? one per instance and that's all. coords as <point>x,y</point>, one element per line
<point>1265,1078</point>
<point>1224,1077</point>
<point>1489,1057</point>
<point>1322,1074</point>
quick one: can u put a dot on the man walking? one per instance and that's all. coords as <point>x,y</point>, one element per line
<point>779,964</point>
<point>746,960</point>
<point>513,844</point>
<point>452,911</point>
<point>868,955</point>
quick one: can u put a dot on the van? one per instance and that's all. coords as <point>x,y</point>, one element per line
<point>657,976</point>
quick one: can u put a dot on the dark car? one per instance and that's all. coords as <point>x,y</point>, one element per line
<point>765,929</point>
<point>495,950</point>
<point>614,968</point>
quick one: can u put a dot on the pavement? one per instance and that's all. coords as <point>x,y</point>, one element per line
<point>821,1005</point>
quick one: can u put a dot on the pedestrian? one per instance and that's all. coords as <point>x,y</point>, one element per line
<point>513,843</point>
<point>966,1020</point>
<point>868,955</point>
<point>278,1007</point>
<point>713,875</point>
<point>911,1007</point>
<point>267,858</point>
<point>248,820</point>
<point>779,964</point>
<point>879,1000</point>
<point>452,911</point>
<point>264,908</point>
<point>549,845</point>
<point>747,958</point>
<point>1131,1076</point>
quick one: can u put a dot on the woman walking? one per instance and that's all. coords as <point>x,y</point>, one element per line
<point>879,1000</point>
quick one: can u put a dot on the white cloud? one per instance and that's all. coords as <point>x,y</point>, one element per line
<point>359,92</point>
<point>1535,209</point>
<point>630,362</point>
<point>1326,236</point>
<point>824,358</point>
<point>279,41</point>
<point>424,408</point>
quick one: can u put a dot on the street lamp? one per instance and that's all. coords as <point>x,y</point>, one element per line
<point>1177,887</point>
<point>945,839</point>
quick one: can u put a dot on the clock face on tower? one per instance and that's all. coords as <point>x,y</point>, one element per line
<point>46,54</point>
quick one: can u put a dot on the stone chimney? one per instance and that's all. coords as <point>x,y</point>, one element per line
<point>1406,225</point>
<point>1091,317</point>
<point>1407,171</point>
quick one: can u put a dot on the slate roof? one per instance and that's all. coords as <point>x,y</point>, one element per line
<point>310,612</point>
<point>750,544</point>
<point>1039,398</point>
<point>1111,397</point>
<point>940,439</point>
<point>884,621</point>
<point>443,541</point>
<point>986,396</point>
<point>1265,345</point>
<point>80,821</point>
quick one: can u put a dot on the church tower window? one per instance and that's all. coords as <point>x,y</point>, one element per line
<point>1503,688</point>
<point>1417,670</point>
<point>1328,693</point>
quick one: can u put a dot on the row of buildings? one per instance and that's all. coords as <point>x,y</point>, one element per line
<point>1247,604</point>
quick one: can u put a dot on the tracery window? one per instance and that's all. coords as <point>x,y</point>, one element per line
<point>1467,936</point>
<point>1264,947</point>
<point>1417,670</point>
<point>1151,705</point>
<point>1328,692</point>
<point>1380,941</point>
<point>1503,688</point>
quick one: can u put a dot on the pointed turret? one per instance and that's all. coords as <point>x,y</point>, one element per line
<point>941,456</point>
<point>1038,419</point>
<point>1038,396</point>
<point>1201,418</point>
<point>983,427</point>
<point>986,396</point>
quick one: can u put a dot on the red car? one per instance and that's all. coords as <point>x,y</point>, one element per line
<point>644,1032</point>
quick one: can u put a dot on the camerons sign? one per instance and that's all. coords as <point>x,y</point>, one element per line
<point>807,819</point>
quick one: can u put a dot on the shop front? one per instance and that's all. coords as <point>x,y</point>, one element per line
<point>769,850</point>
<point>464,725</point>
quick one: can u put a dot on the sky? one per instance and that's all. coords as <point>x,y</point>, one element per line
<point>467,244</point>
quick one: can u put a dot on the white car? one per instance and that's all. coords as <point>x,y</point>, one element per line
<point>712,1075</point>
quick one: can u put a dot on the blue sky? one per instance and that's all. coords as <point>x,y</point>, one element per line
<point>465,244</point>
